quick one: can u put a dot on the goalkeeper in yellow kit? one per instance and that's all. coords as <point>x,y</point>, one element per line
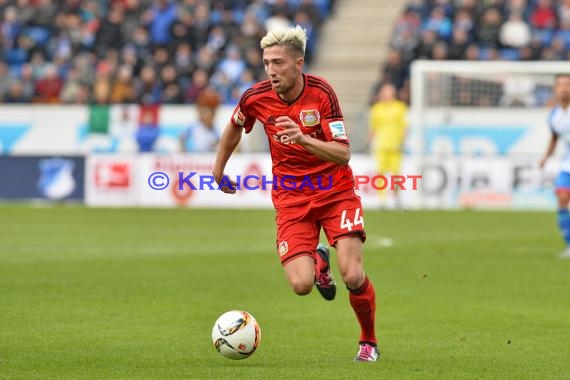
<point>388,123</point>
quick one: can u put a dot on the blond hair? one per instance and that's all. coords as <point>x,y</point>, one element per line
<point>293,37</point>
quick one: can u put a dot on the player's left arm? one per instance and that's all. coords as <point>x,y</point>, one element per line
<point>327,150</point>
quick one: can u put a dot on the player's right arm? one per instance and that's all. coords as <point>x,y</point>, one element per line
<point>228,143</point>
<point>550,149</point>
<point>553,140</point>
<point>240,121</point>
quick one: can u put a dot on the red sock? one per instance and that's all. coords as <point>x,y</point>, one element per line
<point>363,301</point>
<point>320,264</point>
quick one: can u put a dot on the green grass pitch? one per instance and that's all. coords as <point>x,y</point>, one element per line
<point>133,294</point>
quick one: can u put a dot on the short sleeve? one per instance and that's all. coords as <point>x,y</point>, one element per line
<point>241,116</point>
<point>332,121</point>
<point>551,122</point>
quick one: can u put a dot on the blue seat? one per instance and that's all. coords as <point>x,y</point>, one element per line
<point>15,70</point>
<point>15,56</point>
<point>38,34</point>
<point>564,35</point>
<point>544,35</point>
<point>509,54</point>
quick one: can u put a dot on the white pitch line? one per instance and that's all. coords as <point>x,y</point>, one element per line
<point>382,242</point>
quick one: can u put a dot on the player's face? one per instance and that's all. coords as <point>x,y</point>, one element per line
<point>387,93</point>
<point>283,68</point>
<point>562,89</point>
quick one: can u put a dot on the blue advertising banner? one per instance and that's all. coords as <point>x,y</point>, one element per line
<point>50,178</point>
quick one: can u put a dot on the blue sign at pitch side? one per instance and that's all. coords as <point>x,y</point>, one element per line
<point>50,178</point>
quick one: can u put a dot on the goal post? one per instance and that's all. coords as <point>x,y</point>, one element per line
<point>478,130</point>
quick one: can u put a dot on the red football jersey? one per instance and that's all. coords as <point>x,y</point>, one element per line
<point>298,174</point>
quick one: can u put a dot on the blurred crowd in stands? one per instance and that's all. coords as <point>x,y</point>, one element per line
<point>140,51</point>
<point>525,30</point>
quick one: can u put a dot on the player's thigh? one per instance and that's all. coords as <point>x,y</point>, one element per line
<point>562,188</point>
<point>382,159</point>
<point>297,233</point>
<point>395,162</point>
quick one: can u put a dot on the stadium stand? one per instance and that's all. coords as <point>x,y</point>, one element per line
<point>143,51</point>
<point>475,30</point>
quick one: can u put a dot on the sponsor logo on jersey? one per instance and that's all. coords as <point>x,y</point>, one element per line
<point>239,119</point>
<point>337,130</point>
<point>270,120</point>
<point>310,118</point>
<point>283,248</point>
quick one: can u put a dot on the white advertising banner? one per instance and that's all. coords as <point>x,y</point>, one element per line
<point>111,180</point>
<point>185,181</point>
<point>190,182</point>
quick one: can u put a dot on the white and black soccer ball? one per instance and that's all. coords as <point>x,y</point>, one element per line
<point>236,334</point>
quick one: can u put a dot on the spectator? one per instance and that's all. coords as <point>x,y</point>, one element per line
<point>16,93</point>
<point>517,6</point>
<point>202,135</point>
<point>564,12</point>
<point>27,80</point>
<point>440,51</point>
<point>515,32</point>
<point>72,87</point>
<point>439,23</point>
<point>425,47</point>
<point>148,132</point>
<point>394,71</point>
<point>10,28</point>
<point>458,44</point>
<point>472,53</point>
<point>406,34</point>
<point>558,49</point>
<point>109,35</point>
<point>160,18</point>
<point>147,87</point>
<point>198,84</point>
<point>49,86</point>
<point>102,87</point>
<point>489,30</point>
<point>183,61</point>
<point>45,12</point>
<point>464,21</point>
<point>170,90</point>
<point>543,16</point>
<point>4,79</point>
<point>122,90</point>
<point>232,66</point>
<point>76,36</point>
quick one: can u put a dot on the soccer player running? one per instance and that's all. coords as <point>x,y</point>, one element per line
<point>559,122</point>
<point>304,124</point>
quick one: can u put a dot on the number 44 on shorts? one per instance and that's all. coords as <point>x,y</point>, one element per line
<point>346,223</point>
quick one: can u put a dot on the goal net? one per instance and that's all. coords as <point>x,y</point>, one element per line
<point>478,130</point>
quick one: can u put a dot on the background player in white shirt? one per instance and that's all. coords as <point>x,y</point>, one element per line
<point>559,122</point>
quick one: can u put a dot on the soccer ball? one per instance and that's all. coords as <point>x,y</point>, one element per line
<point>236,334</point>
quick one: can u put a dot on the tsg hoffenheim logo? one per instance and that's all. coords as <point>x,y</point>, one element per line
<point>56,178</point>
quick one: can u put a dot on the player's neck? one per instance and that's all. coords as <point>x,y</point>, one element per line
<point>292,95</point>
<point>564,105</point>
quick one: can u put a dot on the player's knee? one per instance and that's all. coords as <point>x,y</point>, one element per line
<point>563,199</point>
<point>353,278</point>
<point>301,287</point>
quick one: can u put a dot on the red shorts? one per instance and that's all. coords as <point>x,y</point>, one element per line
<point>299,227</point>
